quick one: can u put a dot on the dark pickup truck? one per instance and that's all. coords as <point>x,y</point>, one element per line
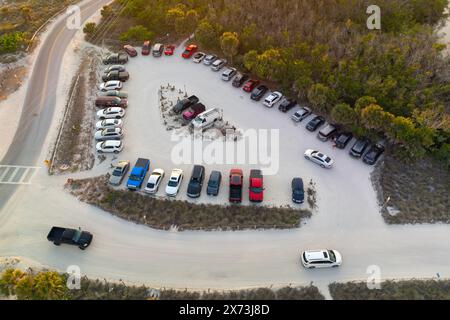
<point>236,182</point>
<point>74,237</point>
<point>184,104</point>
<point>116,75</point>
<point>115,58</point>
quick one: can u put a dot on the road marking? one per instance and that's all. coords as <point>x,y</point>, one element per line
<point>20,175</point>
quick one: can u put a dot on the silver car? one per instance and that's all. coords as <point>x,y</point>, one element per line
<point>109,134</point>
<point>119,172</point>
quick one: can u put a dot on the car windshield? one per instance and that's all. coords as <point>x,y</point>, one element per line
<point>172,183</point>
<point>328,159</point>
<point>257,190</point>
<point>117,172</point>
<point>150,185</point>
<point>332,255</point>
<point>76,236</point>
<point>198,120</point>
<point>134,177</point>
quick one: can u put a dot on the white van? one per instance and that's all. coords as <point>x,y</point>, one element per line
<point>206,119</point>
<point>158,50</point>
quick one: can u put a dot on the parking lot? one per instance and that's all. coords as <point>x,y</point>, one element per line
<point>145,134</point>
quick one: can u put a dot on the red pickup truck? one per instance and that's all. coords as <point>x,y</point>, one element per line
<point>236,182</point>
<point>256,188</point>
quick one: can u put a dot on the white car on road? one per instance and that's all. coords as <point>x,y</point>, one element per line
<point>317,157</point>
<point>109,134</point>
<point>154,181</point>
<point>111,113</point>
<point>321,259</point>
<point>173,186</point>
<point>108,123</point>
<point>198,57</point>
<point>272,99</point>
<point>109,146</point>
<point>111,85</point>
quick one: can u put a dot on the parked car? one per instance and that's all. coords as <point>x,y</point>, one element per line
<point>317,157</point>
<point>138,173</point>
<point>116,75</point>
<point>115,58</point>
<point>373,154</point>
<point>321,259</point>
<point>315,123</point>
<point>146,48</point>
<point>109,134</point>
<point>240,79</point>
<point>104,102</point>
<point>198,57</point>
<point>301,114</point>
<point>173,186</point>
<point>115,67</point>
<point>256,186</point>
<point>327,132</point>
<point>236,183</point>
<point>74,237</point>
<point>114,93</point>
<point>214,183</point>
<point>170,49</point>
<point>287,104</point>
<point>206,119</point>
<point>132,52</point>
<point>184,104</point>
<point>158,50</point>
<point>250,85</point>
<point>228,74</point>
<point>259,92</point>
<point>111,113</point>
<point>109,146</point>
<point>154,181</point>
<point>218,64</point>
<point>111,85</point>
<point>209,59</point>
<point>108,123</point>
<point>119,172</point>
<point>359,147</point>
<point>192,112</point>
<point>189,51</point>
<point>342,139</point>
<point>298,191</point>
<point>196,182</point>
<point>272,99</point>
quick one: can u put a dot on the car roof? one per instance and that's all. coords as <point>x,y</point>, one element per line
<point>115,143</point>
<point>316,255</point>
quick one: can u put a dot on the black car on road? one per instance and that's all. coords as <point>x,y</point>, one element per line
<point>298,192</point>
<point>315,123</point>
<point>214,183</point>
<point>259,92</point>
<point>359,147</point>
<point>75,237</point>
<point>196,182</point>
<point>373,154</point>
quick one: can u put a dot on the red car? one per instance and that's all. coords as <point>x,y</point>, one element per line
<point>236,182</point>
<point>250,85</point>
<point>194,111</point>
<point>189,51</point>
<point>132,52</point>
<point>170,49</point>
<point>256,189</point>
<point>146,47</point>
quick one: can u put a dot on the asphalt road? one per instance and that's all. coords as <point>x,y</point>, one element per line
<point>40,98</point>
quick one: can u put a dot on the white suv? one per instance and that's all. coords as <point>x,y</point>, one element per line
<point>272,99</point>
<point>321,259</point>
<point>111,85</point>
<point>111,113</point>
<point>176,177</point>
<point>109,146</point>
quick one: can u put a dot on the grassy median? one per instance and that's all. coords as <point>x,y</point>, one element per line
<point>164,214</point>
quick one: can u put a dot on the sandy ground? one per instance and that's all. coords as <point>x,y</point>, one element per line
<point>347,218</point>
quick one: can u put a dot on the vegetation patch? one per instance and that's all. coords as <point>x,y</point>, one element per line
<point>161,213</point>
<point>393,290</point>
<point>50,285</point>
<point>413,192</point>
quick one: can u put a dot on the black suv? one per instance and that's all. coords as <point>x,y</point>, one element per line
<point>184,104</point>
<point>239,80</point>
<point>373,154</point>
<point>315,123</point>
<point>214,183</point>
<point>359,147</point>
<point>196,183</point>
<point>259,92</point>
<point>287,104</point>
<point>343,139</point>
